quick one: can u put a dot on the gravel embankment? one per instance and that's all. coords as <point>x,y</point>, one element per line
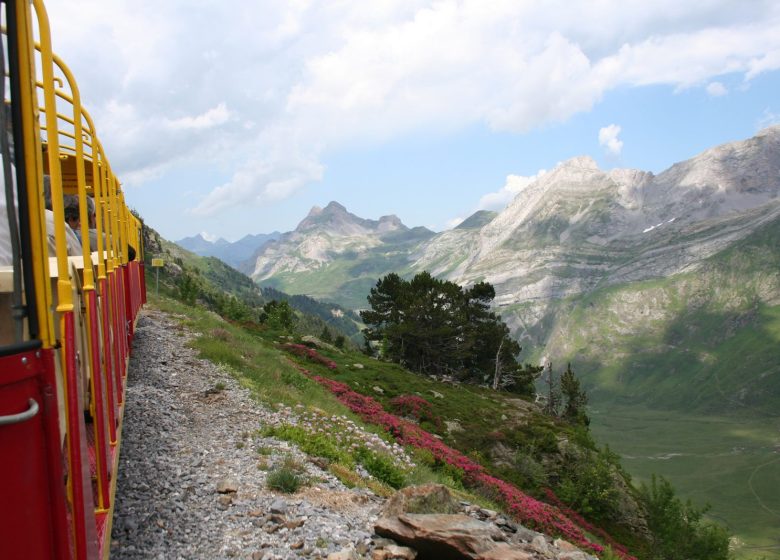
<point>184,436</point>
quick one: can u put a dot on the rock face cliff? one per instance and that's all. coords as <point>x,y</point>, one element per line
<point>610,269</point>
<point>578,227</point>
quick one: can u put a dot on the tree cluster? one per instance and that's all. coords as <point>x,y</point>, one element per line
<point>435,327</point>
<point>565,397</point>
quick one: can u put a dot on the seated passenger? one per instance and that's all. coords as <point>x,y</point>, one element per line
<point>72,242</point>
<point>6,253</point>
<point>93,225</point>
<point>6,250</point>
<point>72,216</point>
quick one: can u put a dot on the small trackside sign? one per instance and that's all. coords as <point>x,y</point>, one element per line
<point>157,262</point>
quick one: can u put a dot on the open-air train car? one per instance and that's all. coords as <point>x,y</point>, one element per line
<point>67,310</point>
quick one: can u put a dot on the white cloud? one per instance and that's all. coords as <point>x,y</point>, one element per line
<point>514,184</point>
<point>211,238</point>
<point>768,118</point>
<point>212,117</point>
<point>716,89</point>
<point>262,181</point>
<point>608,138</point>
<point>316,77</point>
<point>454,222</point>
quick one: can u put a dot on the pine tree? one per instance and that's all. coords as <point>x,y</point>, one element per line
<point>553,392</point>
<point>575,396</point>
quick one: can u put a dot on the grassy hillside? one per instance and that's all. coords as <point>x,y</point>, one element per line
<point>508,437</point>
<point>707,340</point>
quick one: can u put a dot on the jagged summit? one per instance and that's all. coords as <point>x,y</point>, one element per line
<point>336,220</point>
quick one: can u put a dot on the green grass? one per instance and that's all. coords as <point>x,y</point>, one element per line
<point>731,464</point>
<point>270,374</point>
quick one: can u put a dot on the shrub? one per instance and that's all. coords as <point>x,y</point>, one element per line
<point>317,445</point>
<point>189,289</point>
<point>679,532</point>
<point>381,467</point>
<point>284,480</point>
<point>308,353</point>
<point>220,334</point>
<point>589,486</point>
<point>415,407</point>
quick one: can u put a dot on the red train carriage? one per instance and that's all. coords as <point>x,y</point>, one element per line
<point>67,309</point>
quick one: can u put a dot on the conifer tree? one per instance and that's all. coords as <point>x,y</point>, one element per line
<point>553,392</point>
<point>575,396</point>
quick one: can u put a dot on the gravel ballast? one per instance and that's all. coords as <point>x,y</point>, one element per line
<point>191,483</point>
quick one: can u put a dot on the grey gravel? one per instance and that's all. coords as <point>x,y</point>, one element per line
<point>184,436</point>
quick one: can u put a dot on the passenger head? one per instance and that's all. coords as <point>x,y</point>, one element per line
<point>91,212</point>
<point>47,192</point>
<point>72,216</point>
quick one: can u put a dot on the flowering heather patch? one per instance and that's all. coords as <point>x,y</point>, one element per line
<point>528,510</point>
<point>415,407</point>
<point>616,546</point>
<point>309,353</point>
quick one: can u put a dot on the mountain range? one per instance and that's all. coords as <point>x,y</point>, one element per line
<point>234,253</point>
<point>639,279</point>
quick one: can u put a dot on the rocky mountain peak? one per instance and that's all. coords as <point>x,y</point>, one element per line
<point>579,162</point>
<point>333,218</point>
<point>390,223</point>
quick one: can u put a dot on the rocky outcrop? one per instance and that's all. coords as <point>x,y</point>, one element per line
<point>436,535</point>
<point>443,528</point>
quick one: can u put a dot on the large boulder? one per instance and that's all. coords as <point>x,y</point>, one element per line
<point>441,536</point>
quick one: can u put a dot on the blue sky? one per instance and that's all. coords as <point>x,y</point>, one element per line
<point>237,118</point>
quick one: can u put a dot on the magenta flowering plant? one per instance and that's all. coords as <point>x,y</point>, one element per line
<point>589,527</point>
<point>309,353</point>
<point>413,406</point>
<point>529,511</point>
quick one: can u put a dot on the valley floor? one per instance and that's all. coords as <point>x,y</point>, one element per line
<point>733,464</point>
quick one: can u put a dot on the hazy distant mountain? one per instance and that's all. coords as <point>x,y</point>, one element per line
<point>621,271</point>
<point>232,253</point>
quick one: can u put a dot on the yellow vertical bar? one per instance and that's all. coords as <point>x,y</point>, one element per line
<point>64,297</point>
<point>33,164</point>
<point>99,189</point>
<point>124,227</point>
<point>89,281</point>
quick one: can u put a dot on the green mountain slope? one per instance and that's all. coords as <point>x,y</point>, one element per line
<point>706,340</point>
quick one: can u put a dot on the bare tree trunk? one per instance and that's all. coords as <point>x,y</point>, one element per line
<point>497,374</point>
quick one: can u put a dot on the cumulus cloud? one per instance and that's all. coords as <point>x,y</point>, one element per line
<point>316,77</point>
<point>209,119</point>
<point>261,181</point>
<point>514,184</point>
<point>716,89</point>
<point>608,138</point>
